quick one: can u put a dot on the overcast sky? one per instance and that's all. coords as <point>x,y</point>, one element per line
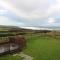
<point>30,12</point>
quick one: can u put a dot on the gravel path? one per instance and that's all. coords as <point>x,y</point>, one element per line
<point>24,56</point>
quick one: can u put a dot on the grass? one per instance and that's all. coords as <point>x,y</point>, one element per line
<point>43,48</point>
<point>40,48</point>
<point>10,57</point>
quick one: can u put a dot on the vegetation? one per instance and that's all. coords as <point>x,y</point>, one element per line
<point>43,48</point>
<point>40,46</point>
<point>10,57</point>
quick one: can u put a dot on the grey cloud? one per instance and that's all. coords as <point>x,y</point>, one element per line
<point>29,6</point>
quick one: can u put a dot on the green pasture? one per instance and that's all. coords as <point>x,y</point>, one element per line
<point>43,48</point>
<point>40,48</point>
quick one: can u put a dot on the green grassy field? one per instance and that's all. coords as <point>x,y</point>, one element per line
<point>40,48</point>
<point>10,57</point>
<point>43,48</point>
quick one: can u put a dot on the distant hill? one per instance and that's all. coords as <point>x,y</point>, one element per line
<point>3,26</point>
